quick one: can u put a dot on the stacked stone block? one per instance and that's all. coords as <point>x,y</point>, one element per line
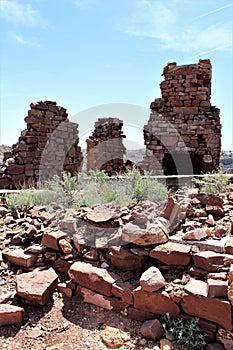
<point>48,145</point>
<point>183,121</point>
<point>105,149</point>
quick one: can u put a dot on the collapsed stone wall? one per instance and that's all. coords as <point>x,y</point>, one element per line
<point>105,149</point>
<point>48,145</point>
<point>183,121</point>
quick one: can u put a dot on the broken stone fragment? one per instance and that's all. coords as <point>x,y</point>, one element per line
<point>216,288</point>
<point>196,234</point>
<point>103,213</point>
<point>172,253</point>
<point>95,278</point>
<point>211,261</point>
<point>51,238</point>
<point>65,246</point>
<point>18,256</point>
<point>153,234</point>
<point>10,314</point>
<point>152,280</point>
<point>152,329</point>
<point>114,337</point>
<point>123,259</point>
<point>36,287</point>
<point>229,245</point>
<point>106,302</point>
<point>166,345</point>
<point>123,290</point>
<point>157,303</point>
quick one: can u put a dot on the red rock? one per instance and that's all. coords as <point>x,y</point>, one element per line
<point>108,303</point>
<point>211,261</point>
<point>229,245</point>
<point>123,290</point>
<point>153,234</point>
<point>210,199</point>
<point>50,239</point>
<point>65,246</point>
<point>231,274</point>
<point>123,259</point>
<point>114,337</point>
<point>140,315</point>
<point>152,329</point>
<point>95,278</point>
<point>196,287</point>
<point>17,256</point>
<point>172,253</point>
<point>172,210</point>
<point>214,346</point>
<point>196,234</point>
<point>64,289</point>
<point>152,280</point>
<point>215,310</point>
<point>10,314</point>
<point>226,338</point>
<point>216,288</point>
<point>14,169</point>
<point>102,213</point>
<point>157,303</point>
<point>36,287</point>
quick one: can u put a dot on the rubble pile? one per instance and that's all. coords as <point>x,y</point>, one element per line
<point>125,259</point>
<point>47,146</point>
<point>105,149</point>
<point>183,122</point>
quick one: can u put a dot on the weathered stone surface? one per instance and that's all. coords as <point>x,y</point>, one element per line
<point>51,238</point>
<point>229,245</point>
<point>95,278</point>
<point>123,290</point>
<point>210,199</point>
<point>17,256</point>
<point>196,234</point>
<point>226,338</point>
<point>114,337</point>
<point>152,329</point>
<point>36,287</point>
<point>172,253</point>
<point>65,246</point>
<point>230,293</point>
<point>123,259</point>
<point>165,345</point>
<point>102,213</point>
<point>196,287</point>
<point>201,306</point>
<point>10,314</point>
<point>172,210</point>
<point>157,303</point>
<point>107,303</point>
<point>152,280</point>
<point>231,274</point>
<point>214,346</point>
<point>216,288</point>
<point>140,315</point>
<point>153,234</point>
<point>211,261</point>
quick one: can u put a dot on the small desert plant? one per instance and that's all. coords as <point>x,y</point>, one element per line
<point>213,183</point>
<point>186,333</point>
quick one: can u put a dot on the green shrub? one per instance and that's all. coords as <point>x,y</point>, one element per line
<point>186,333</point>
<point>213,183</point>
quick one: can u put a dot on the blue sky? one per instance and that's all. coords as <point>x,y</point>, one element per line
<point>83,53</point>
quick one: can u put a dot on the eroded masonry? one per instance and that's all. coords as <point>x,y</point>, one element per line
<point>182,136</point>
<point>183,124</point>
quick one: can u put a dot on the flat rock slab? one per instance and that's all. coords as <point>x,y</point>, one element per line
<point>10,314</point>
<point>36,287</point>
<point>95,278</point>
<point>152,234</point>
<point>123,259</point>
<point>211,309</point>
<point>50,239</point>
<point>19,257</point>
<point>102,213</point>
<point>107,303</point>
<point>157,303</point>
<point>211,261</point>
<point>172,253</point>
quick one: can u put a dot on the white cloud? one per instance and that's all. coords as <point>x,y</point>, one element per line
<point>23,41</point>
<point>83,3</point>
<point>20,14</point>
<point>171,23</point>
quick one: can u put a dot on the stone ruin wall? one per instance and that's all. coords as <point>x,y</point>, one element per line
<point>48,145</point>
<point>105,149</point>
<point>188,121</point>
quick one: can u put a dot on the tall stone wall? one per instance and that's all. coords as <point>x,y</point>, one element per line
<point>105,149</point>
<point>48,145</point>
<point>183,122</point>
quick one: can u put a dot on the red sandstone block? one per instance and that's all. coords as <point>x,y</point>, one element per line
<point>10,314</point>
